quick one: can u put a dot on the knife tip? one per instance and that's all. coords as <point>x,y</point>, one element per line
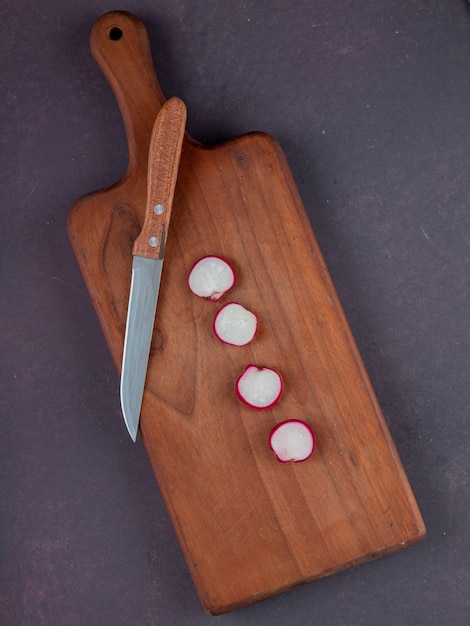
<point>132,431</point>
<point>131,424</point>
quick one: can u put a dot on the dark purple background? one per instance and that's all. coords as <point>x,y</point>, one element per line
<point>371,103</point>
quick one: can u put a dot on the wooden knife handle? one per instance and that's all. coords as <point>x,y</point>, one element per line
<point>163,163</point>
<point>120,45</point>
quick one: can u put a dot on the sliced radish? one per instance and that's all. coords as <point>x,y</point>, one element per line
<point>259,388</point>
<point>292,440</point>
<point>235,325</point>
<point>211,277</point>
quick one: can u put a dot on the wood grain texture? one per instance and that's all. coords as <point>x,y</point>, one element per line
<point>249,526</point>
<point>164,157</point>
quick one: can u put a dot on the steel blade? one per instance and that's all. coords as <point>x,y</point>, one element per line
<point>145,284</point>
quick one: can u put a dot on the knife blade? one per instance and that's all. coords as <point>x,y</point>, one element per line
<point>148,252</point>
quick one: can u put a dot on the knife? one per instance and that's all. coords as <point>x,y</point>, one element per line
<point>148,251</point>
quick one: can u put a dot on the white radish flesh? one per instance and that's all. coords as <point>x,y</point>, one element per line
<point>259,388</point>
<point>235,325</point>
<point>211,277</point>
<point>292,440</point>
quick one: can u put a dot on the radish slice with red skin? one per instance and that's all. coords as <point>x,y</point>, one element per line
<point>235,325</point>
<point>292,440</point>
<point>259,388</point>
<point>211,277</point>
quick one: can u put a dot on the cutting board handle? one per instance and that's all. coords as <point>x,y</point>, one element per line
<point>120,45</point>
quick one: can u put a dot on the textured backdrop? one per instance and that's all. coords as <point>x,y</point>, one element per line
<point>371,104</point>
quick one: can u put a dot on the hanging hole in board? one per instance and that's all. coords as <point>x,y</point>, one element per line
<point>115,33</point>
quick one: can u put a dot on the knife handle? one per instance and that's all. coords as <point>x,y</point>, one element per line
<point>120,45</point>
<point>163,162</point>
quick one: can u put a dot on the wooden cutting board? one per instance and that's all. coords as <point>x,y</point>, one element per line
<point>249,526</point>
